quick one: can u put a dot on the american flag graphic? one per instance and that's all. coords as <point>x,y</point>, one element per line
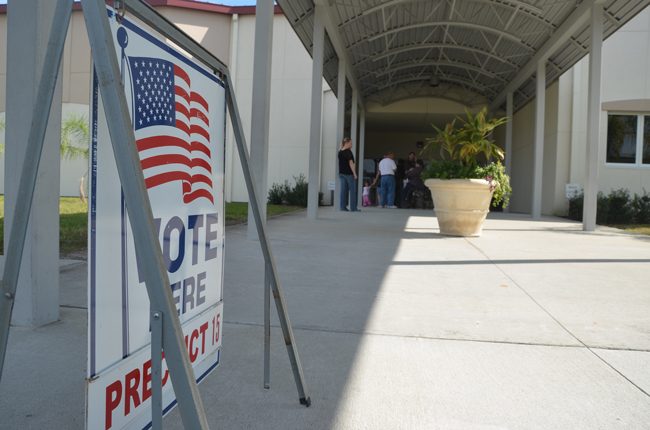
<point>171,128</point>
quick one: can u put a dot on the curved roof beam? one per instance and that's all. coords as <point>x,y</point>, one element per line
<point>411,65</point>
<point>401,50</point>
<point>478,27</point>
<point>465,102</point>
<point>469,85</point>
<point>515,5</point>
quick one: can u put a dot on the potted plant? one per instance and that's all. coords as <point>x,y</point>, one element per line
<point>468,175</point>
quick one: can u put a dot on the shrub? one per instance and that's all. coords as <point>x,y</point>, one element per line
<point>602,209</point>
<point>285,194</point>
<point>615,208</point>
<point>619,207</point>
<point>278,193</point>
<point>575,207</point>
<point>641,208</point>
<point>298,194</point>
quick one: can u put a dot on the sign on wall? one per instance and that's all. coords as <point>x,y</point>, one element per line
<point>178,111</point>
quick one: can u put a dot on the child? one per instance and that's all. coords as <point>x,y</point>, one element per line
<point>366,193</point>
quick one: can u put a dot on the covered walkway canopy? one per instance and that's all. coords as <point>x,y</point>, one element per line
<point>498,53</point>
<point>481,49</point>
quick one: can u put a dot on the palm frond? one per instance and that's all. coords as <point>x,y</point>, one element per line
<point>75,137</point>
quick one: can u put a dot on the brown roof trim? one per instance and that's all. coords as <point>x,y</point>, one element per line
<point>189,4</point>
<point>208,7</point>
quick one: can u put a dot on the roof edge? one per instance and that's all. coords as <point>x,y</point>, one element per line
<point>190,5</point>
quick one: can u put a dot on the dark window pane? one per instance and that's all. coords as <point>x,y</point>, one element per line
<point>646,140</point>
<point>621,139</point>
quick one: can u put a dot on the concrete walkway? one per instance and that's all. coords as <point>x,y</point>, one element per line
<point>534,325</point>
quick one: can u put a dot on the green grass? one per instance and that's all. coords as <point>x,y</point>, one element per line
<point>635,228</point>
<point>237,212</point>
<point>73,220</point>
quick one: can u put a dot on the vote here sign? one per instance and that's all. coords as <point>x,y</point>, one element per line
<point>178,112</point>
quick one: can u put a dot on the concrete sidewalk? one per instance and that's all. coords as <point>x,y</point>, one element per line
<point>534,325</point>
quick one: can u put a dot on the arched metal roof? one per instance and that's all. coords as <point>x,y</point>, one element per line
<point>483,47</point>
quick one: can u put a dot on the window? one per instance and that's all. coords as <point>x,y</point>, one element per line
<point>628,139</point>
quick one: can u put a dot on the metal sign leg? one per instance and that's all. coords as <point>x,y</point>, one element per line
<point>147,245</point>
<point>266,250</point>
<point>156,369</point>
<point>267,326</point>
<point>29,171</point>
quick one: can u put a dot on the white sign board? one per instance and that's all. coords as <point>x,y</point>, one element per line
<point>572,190</point>
<point>331,185</point>
<point>178,113</point>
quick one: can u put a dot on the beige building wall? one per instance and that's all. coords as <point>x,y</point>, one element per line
<point>75,77</point>
<point>521,178</point>
<point>231,39</point>
<point>557,132</point>
<point>211,30</point>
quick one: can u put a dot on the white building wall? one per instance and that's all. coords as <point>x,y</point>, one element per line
<point>626,76</point>
<point>290,105</point>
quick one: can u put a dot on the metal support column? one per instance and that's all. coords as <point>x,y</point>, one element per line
<point>509,114</point>
<point>316,113</point>
<point>261,105</point>
<point>593,119</point>
<point>340,127</point>
<point>362,151</point>
<point>538,158</point>
<point>30,165</point>
<point>147,245</point>
<point>232,65</point>
<point>354,121</point>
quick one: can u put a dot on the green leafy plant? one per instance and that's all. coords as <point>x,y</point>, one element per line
<point>616,208</point>
<point>467,151</point>
<point>285,194</point>
<point>641,208</point>
<point>278,193</point>
<point>75,137</point>
<point>298,194</point>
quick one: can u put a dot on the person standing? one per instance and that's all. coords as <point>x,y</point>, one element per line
<point>411,161</point>
<point>347,176</point>
<point>387,168</point>
<point>414,183</point>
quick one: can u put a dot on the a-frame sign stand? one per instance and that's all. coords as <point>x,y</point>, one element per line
<point>165,324</point>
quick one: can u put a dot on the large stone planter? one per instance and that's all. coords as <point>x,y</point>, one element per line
<point>461,205</point>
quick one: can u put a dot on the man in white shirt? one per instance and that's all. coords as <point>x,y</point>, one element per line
<point>387,169</point>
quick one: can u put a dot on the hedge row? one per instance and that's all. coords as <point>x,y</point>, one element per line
<point>618,207</point>
<point>286,194</point>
